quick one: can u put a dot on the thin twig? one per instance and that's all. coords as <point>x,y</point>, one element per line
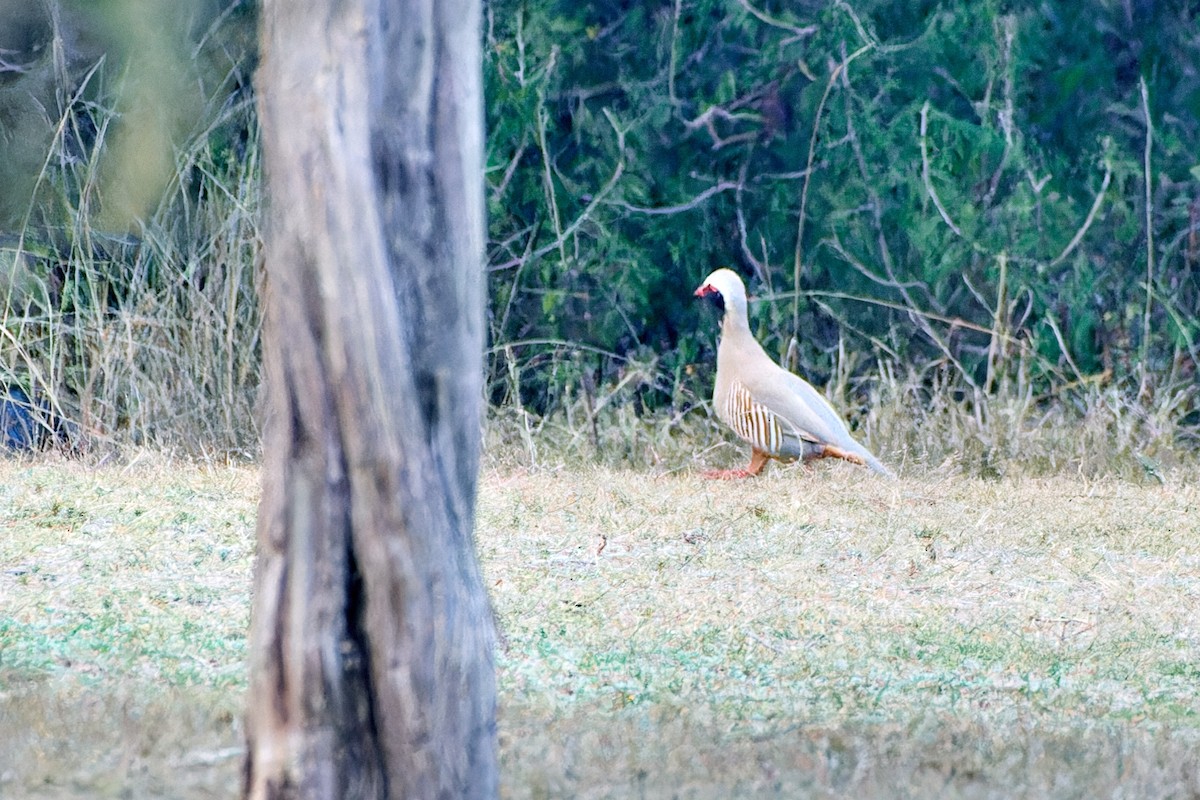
<point>212,29</point>
<point>782,176</point>
<point>1006,114</point>
<point>846,324</point>
<point>915,313</point>
<point>707,120</point>
<point>953,322</point>
<point>760,267</point>
<point>516,285</point>
<point>722,186</point>
<point>797,32</point>
<point>891,282</point>
<point>1087,222</point>
<point>798,254</point>
<point>586,214</point>
<point>1183,321</point>
<point>871,40</point>
<point>674,55</point>
<point>925,173</point>
<point>547,168</point>
<point>858,26</point>
<point>875,204</point>
<point>1062,346</point>
<point>1149,182</point>
<point>11,66</point>
<point>995,354</point>
<point>511,169</point>
<point>504,246</point>
<point>548,342</point>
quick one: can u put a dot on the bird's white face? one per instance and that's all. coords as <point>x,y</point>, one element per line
<point>725,288</point>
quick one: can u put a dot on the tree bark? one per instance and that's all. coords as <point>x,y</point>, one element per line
<point>371,655</point>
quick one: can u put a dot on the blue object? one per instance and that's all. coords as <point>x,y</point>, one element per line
<point>24,424</point>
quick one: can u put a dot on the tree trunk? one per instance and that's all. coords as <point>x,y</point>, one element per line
<point>371,643</point>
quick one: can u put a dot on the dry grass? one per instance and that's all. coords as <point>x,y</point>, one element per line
<point>833,635</point>
<point>816,634</point>
<point>911,417</point>
<point>149,339</point>
<point>125,593</point>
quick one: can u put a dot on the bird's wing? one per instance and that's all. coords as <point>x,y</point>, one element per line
<point>795,400</point>
<point>798,405</point>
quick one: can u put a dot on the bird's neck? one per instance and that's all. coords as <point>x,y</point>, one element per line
<point>734,323</point>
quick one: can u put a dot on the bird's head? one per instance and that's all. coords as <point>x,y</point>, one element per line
<point>726,290</point>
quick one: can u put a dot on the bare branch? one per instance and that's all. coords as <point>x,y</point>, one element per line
<point>915,313</point>
<point>723,186</point>
<point>798,254</point>
<point>1147,179</point>
<point>516,285</point>
<point>674,55</point>
<point>1062,346</point>
<point>995,353</point>
<point>953,322</point>
<point>551,342</point>
<point>511,168</point>
<point>561,237</point>
<point>10,66</point>
<point>760,267</point>
<point>875,205</point>
<point>844,322</point>
<point>707,121</point>
<point>798,32</point>
<point>782,176</point>
<point>505,246</point>
<point>871,41</point>
<point>1091,216</point>
<point>1006,114</point>
<point>835,244</point>
<point>925,172</point>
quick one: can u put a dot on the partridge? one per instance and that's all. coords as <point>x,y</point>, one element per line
<point>780,414</point>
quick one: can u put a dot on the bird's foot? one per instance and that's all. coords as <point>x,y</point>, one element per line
<point>829,451</point>
<point>727,474</point>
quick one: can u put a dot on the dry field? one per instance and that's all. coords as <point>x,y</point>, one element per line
<point>808,634</point>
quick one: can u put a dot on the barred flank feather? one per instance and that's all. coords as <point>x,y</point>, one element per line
<point>752,421</point>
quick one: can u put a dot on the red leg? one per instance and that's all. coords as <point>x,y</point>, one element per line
<point>758,462</point>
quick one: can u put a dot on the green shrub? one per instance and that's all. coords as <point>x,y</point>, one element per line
<point>910,186</point>
<point>972,206</point>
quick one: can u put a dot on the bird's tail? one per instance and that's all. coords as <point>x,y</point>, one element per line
<point>869,458</point>
<point>876,465</point>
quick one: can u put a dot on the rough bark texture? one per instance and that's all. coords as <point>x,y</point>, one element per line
<point>371,646</point>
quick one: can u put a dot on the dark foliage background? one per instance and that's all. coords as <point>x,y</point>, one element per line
<point>927,182</point>
<point>963,200</point>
